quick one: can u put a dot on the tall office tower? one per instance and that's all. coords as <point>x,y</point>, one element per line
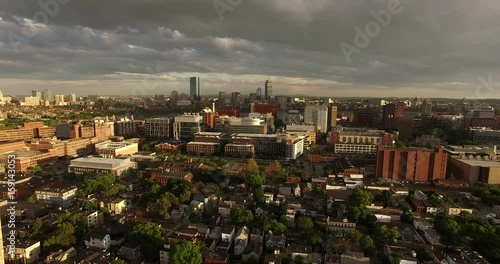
<point>47,95</point>
<point>317,115</point>
<point>222,99</point>
<point>194,88</point>
<point>235,98</point>
<point>332,116</point>
<point>72,98</point>
<point>268,89</point>
<point>59,98</point>
<point>174,97</point>
<point>1,95</point>
<point>405,127</point>
<point>258,94</point>
<point>36,93</point>
<point>391,113</point>
<point>427,107</point>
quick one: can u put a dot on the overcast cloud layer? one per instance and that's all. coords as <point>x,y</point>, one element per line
<point>432,48</point>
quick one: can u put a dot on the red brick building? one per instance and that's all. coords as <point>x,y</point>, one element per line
<point>162,177</point>
<point>366,119</point>
<point>265,108</point>
<point>229,112</point>
<point>420,165</point>
<point>391,113</point>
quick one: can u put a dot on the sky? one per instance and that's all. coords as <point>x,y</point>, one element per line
<point>428,48</point>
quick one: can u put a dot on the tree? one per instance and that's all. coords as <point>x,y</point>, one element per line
<point>273,169</point>
<point>181,189</point>
<point>37,227</point>
<point>360,198</point>
<point>407,218</point>
<point>118,261</point>
<point>32,199</point>
<point>151,237</point>
<point>449,229</point>
<point>64,237</point>
<point>255,180</point>
<point>384,234</point>
<point>37,169</point>
<point>163,204</point>
<point>305,225</point>
<point>252,167</point>
<point>274,226</point>
<point>258,195</point>
<point>186,252</point>
<point>367,243</point>
<point>241,216</point>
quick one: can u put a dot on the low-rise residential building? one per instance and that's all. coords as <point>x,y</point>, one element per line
<point>98,240</point>
<point>26,251</point>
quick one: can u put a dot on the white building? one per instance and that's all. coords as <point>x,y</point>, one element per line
<point>31,101</point>
<point>294,147</point>
<point>317,115</point>
<point>26,252</point>
<point>101,165</point>
<point>62,197</point>
<point>112,149</point>
<point>186,125</point>
<point>98,240</point>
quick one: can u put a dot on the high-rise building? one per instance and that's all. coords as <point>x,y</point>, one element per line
<point>258,94</point>
<point>427,107</point>
<point>36,93</point>
<point>72,98</point>
<point>332,116</point>
<point>47,95</point>
<point>317,115</point>
<point>405,127</point>
<point>222,99</point>
<point>419,165</point>
<point>391,113</point>
<point>194,88</point>
<point>174,97</point>
<point>365,119</point>
<point>235,98</point>
<point>268,89</point>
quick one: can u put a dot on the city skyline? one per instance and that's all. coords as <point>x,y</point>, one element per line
<point>442,51</point>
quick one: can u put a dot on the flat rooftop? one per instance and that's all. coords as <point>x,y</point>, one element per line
<point>479,162</point>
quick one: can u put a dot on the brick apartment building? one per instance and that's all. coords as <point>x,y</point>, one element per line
<point>419,165</point>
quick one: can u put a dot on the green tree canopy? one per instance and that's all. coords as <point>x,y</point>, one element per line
<point>162,206</point>
<point>241,216</point>
<point>185,252</point>
<point>151,237</point>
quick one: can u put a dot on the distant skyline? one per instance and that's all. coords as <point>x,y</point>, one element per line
<point>437,49</point>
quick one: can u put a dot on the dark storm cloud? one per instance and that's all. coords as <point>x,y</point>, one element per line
<point>430,47</point>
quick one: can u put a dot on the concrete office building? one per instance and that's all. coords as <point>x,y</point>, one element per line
<point>475,169</point>
<point>158,128</point>
<point>97,165</point>
<point>415,164</point>
<point>112,149</point>
<point>186,125</point>
<point>358,140</point>
<point>317,115</point>
<point>232,125</point>
<point>128,128</point>
<point>485,136</point>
